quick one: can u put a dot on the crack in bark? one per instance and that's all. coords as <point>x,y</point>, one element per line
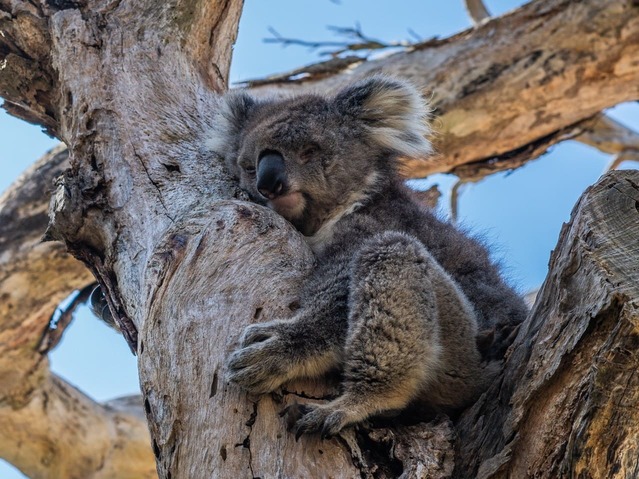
<point>157,187</point>
<point>246,443</point>
<point>303,395</point>
<point>354,452</point>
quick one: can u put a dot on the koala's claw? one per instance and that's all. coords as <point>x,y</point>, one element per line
<point>309,419</point>
<point>257,368</point>
<point>256,333</point>
<point>265,357</point>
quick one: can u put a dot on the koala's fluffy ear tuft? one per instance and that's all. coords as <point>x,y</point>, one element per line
<point>393,110</point>
<point>232,112</point>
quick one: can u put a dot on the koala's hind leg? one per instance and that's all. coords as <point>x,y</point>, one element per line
<point>393,345</point>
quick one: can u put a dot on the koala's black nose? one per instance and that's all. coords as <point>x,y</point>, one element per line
<point>271,175</point>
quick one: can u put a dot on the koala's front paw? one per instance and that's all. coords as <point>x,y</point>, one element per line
<point>264,360</point>
<point>310,418</point>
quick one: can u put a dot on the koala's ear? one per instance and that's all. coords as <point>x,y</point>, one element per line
<point>394,112</point>
<point>232,112</point>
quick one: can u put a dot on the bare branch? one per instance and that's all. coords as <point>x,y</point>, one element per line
<point>621,158</point>
<point>360,42</point>
<point>285,42</point>
<point>477,10</point>
<point>317,70</point>
<point>610,136</point>
<point>601,132</point>
<point>60,432</point>
<point>455,194</point>
<point>61,318</point>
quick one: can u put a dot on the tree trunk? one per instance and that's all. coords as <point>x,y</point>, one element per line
<point>130,87</point>
<point>566,404</point>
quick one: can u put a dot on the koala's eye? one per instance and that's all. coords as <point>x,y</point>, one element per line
<point>309,152</point>
<point>247,165</point>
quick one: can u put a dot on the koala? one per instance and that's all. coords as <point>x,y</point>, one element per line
<point>409,309</point>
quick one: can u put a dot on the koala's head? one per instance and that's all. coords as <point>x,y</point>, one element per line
<point>310,157</point>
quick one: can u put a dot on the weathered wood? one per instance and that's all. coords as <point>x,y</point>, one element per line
<point>566,404</point>
<point>49,428</point>
<point>31,285</point>
<point>185,269</point>
<point>503,92</point>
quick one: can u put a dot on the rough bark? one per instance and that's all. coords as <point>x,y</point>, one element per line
<point>185,269</point>
<point>566,403</point>
<point>49,428</point>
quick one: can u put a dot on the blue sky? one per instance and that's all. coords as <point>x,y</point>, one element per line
<point>520,213</point>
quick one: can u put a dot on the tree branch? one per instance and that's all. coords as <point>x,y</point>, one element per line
<point>28,82</point>
<point>61,318</point>
<point>359,42</point>
<point>565,403</point>
<point>40,413</point>
<point>60,432</point>
<point>601,132</point>
<point>143,204</point>
<point>610,136</point>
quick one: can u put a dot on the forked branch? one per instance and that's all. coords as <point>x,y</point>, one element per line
<point>356,41</point>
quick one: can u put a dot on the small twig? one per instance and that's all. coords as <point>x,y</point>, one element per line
<point>617,160</point>
<point>356,41</point>
<point>60,319</point>
<point>285,42</point>
<point>416,36</point>
<point>610,136</point>
<point>477,10</point>
<point>309,72</point>
<point>454,199</point>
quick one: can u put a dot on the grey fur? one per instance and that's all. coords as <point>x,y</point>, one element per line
<point>398,300</point>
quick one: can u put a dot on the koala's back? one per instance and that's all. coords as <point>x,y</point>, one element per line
<point>498,308</point>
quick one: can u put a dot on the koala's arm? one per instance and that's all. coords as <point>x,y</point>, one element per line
<point>308,345</point>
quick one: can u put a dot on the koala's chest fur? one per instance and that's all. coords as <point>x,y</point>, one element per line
<point>391,209</point>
